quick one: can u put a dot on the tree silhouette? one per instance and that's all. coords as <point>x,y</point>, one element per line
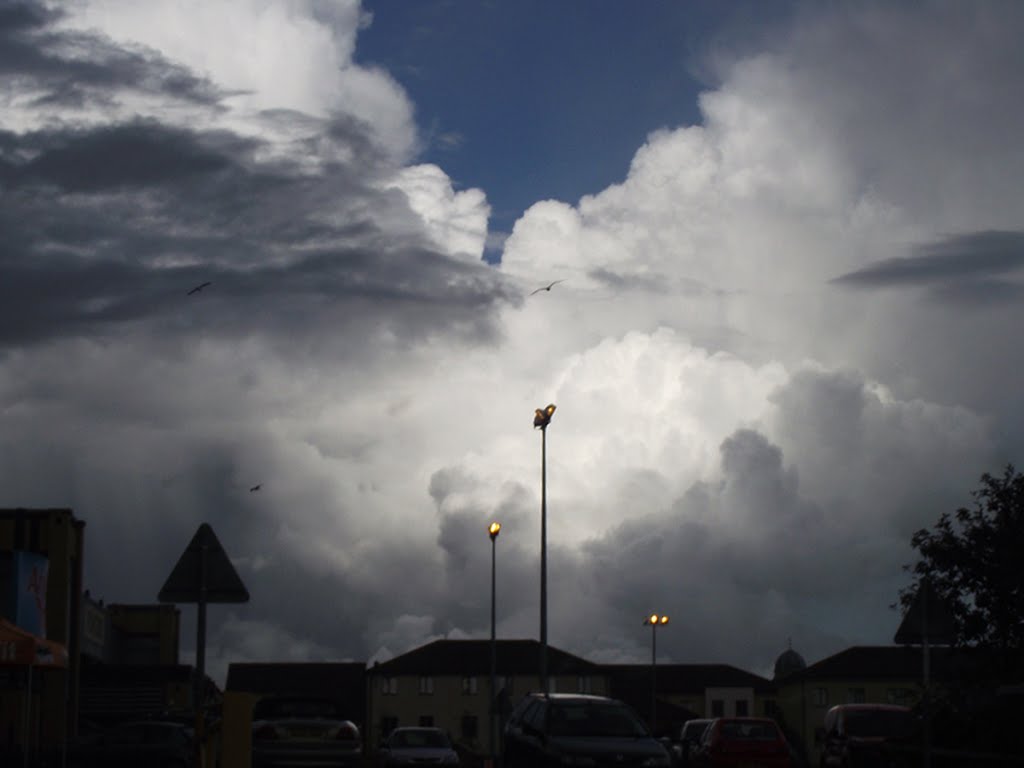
<point>973,559</point>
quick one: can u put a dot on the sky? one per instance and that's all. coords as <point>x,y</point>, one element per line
<point>790,250</point>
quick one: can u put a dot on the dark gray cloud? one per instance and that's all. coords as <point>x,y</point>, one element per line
<point>74,69</point>
<point>974,257</point>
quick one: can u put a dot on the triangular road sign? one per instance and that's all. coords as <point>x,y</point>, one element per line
<point>204,555</point>
<point>928,616</point>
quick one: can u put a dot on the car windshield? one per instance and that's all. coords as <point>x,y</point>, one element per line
<point>419,739</point>
<point>749,731</point>
<point>586,718</point>
<point>878,723</point>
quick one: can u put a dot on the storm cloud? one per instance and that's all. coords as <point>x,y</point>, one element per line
<point>747,424</point>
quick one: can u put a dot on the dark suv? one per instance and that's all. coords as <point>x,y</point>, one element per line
<point>867,735</point>
<point>560,729</point>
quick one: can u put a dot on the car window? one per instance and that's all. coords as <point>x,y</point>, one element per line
<point>419,739</point>
<point>878,722</point>
<point>272,709</point>
<point>589,718</point>
<point>534,715</point>
<point>749,731</point>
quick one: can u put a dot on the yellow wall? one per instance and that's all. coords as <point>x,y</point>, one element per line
<point>236,729</point>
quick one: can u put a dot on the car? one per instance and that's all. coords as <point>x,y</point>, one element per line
<point>690,736</point>
<point>738,742</point>
<point>417,746</point>
<point>290,731</point>
<point>560,729</point>
<point>865,734</point>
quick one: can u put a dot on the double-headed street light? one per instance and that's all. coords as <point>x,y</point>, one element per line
<point>541,419</point>
<point>493,531</point>
<point>655,621</point>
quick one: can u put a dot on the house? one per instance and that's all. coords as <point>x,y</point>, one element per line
<point>670,694</point>
<point>446,684</point>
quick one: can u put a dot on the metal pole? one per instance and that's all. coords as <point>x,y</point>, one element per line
<point>201,655</point>
<point>654,676</point>
<point>494,654</point>
<point>544,560</point>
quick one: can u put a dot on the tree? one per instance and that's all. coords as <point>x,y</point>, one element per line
<point>974,560</point>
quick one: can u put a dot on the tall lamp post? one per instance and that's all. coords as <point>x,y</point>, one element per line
<point>493,532</point>
<point>541,419</point>
<point>655,621</point>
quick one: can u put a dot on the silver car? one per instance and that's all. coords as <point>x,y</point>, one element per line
<point>417,746</point>
<point>307,732</point>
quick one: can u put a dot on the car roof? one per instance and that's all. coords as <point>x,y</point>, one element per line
<point>870,708</point>
<point>570,697</point>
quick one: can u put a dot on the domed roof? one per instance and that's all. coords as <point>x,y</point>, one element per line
<point>789,661</point>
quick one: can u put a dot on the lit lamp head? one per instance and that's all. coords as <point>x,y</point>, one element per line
<point>494,530</point>
<point>655,620</point>
<point>542,416</point>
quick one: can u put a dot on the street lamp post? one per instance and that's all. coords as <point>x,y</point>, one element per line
<point>655,621</point>
<point>541,419</point>
<point>493,532</point>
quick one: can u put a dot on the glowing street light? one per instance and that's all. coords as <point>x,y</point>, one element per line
<point>655,620</point>
<point>541,419</point>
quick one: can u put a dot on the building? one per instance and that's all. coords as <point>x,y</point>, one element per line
<point>41,558</point>
<point>676,693</point>
<point>446,684</point>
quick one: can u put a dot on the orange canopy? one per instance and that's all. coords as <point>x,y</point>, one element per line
<point>21,648</point>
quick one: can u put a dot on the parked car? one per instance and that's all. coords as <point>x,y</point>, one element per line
<point>735,742</point>
<point>288,731</point>
<point>561,729</point>
<point>867,735</point>
<point>417,746</point>
<point>690,736</point>
<point>156,743</point>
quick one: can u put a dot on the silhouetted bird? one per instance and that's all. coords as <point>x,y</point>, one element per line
<point>199,287</point>
<point>547,287</point>
<point>255,488</point>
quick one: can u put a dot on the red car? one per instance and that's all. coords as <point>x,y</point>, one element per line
<point>743,742</point>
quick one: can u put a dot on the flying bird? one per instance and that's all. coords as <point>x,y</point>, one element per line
<point>255,488</point>
<point>547,287</point>
<point>199,287</point>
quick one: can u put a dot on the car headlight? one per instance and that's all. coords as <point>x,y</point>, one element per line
<point>450,759</point>
<point>657,761</point>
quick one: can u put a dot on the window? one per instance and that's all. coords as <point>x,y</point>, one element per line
<point>741,708</point>
<point>469,685</point>
<point>426,685</point>
<point>717,708</point>
<point>506,683</point>
<point>389,686</point>
<point>820,697</point>
<point>469,727</point>
<point>901,696</point>
<point>426,721</point>
<point>855,696</point>
<point>387,725</point>
<point>583,684</point>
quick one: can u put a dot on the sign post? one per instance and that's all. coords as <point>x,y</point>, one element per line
<point>203,574</point>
